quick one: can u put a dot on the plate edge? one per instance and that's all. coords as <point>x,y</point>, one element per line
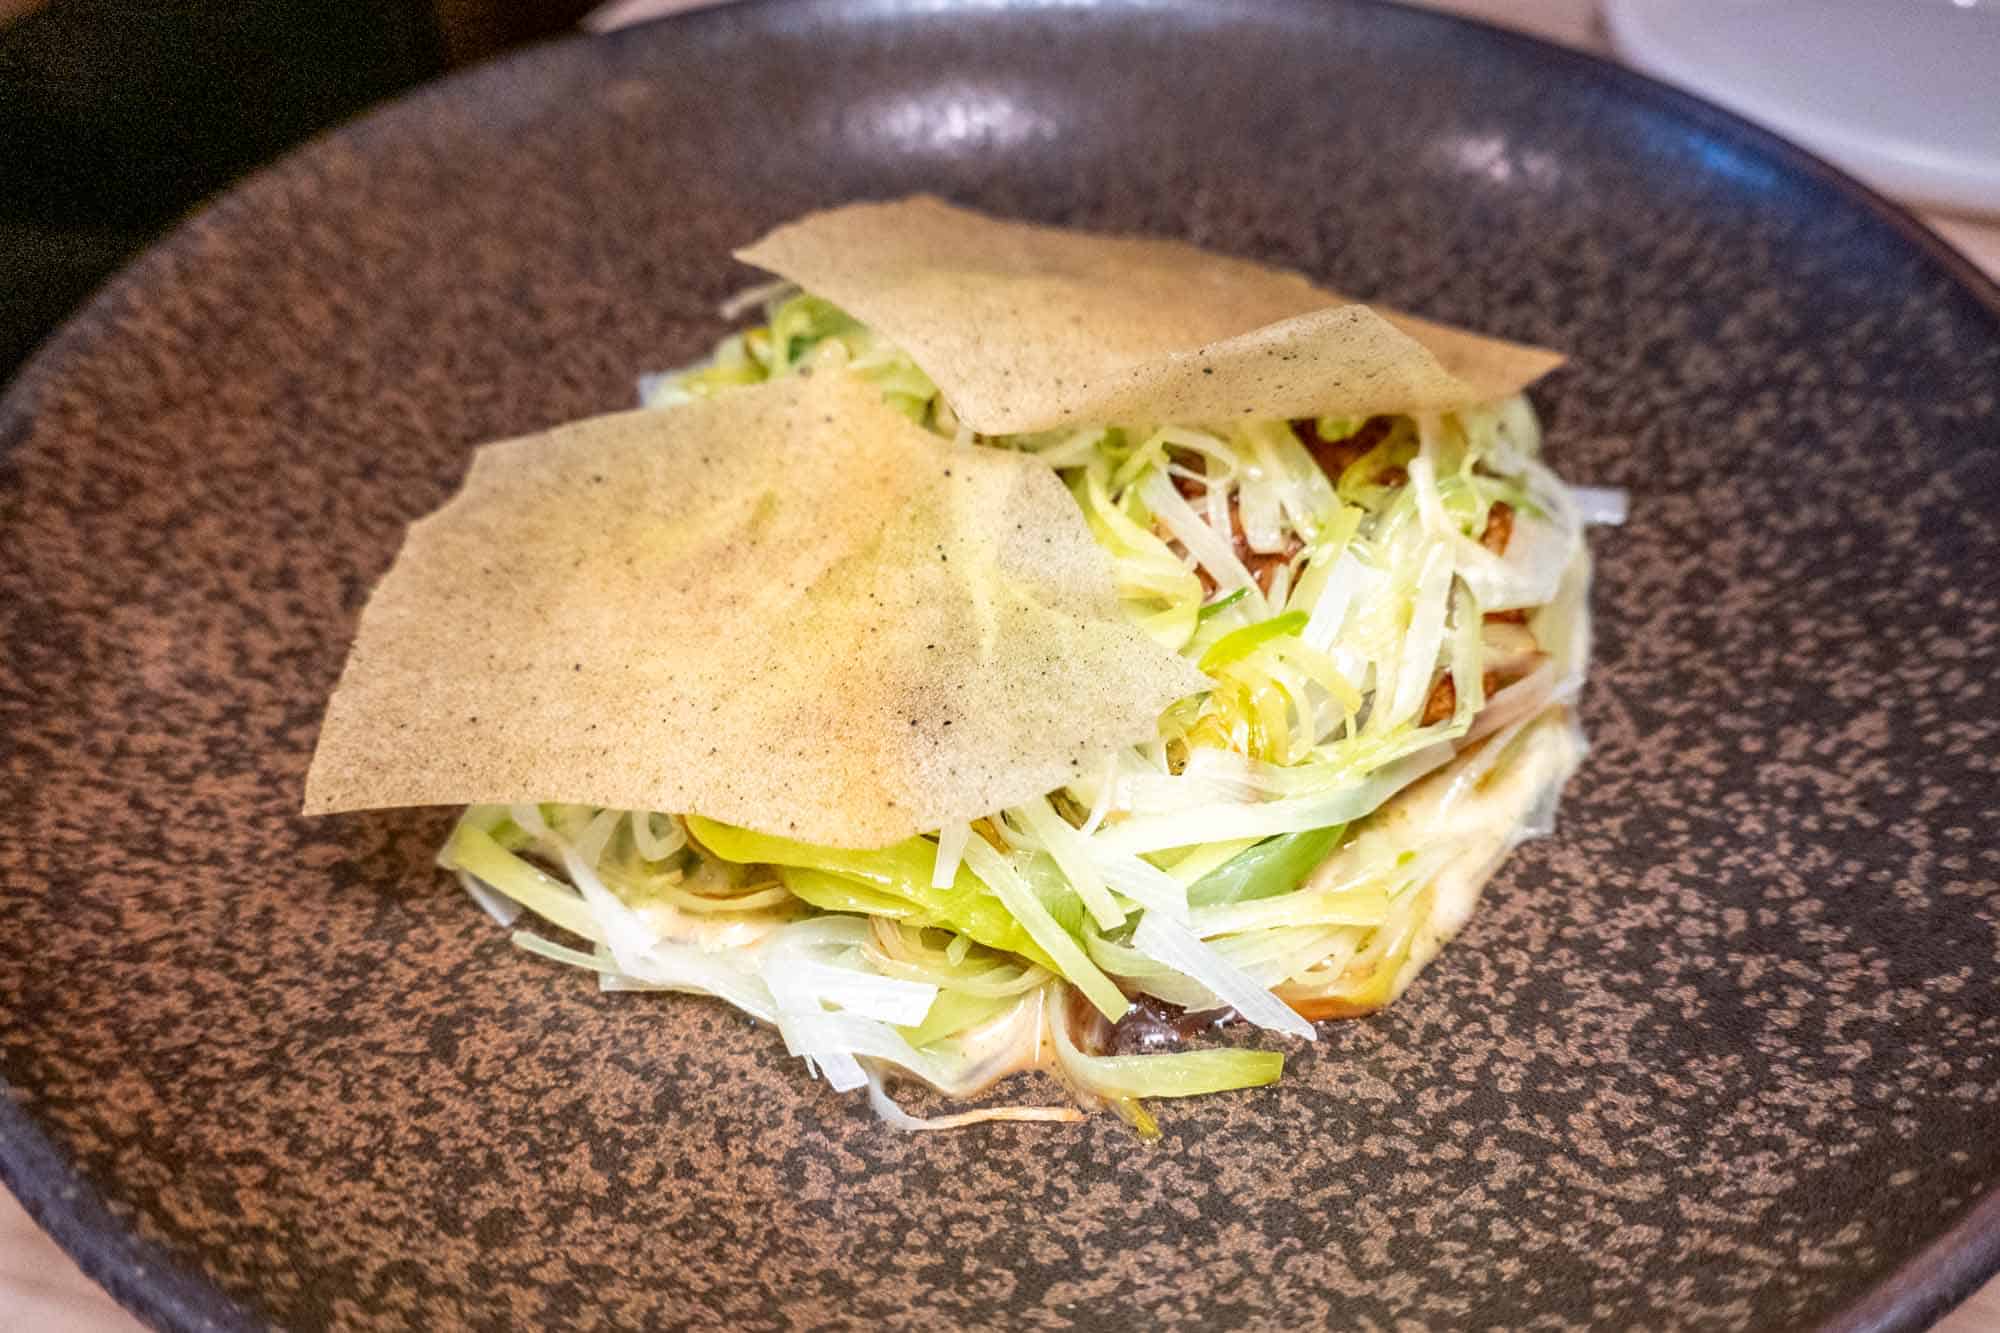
<point>147,1281</point>
<point>165,1293</point>
<point>1900,217</point>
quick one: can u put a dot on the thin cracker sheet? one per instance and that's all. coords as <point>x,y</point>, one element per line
<point>786,608</point>
<point>1028,328</point>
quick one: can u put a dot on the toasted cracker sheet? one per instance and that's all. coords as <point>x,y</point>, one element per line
<point>786,608</point>
<point>1028,328</point>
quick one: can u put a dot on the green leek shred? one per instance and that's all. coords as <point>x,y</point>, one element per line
<point>1239,644</point>
<point>1274,866</point>
<point>1185,1073</point>
<point>955,1011</point>
<point>893,881</point>
<point>1221,604</point>
<point>474,852</point>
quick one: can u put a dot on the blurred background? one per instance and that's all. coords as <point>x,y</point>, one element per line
<point>118,116</point>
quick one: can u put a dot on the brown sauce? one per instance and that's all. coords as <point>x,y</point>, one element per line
<point>1150,1027</point>
<point>1336,456</point>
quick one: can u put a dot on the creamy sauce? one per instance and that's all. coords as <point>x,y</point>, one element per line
<point>1011,1042</point>
<point>711,932</point>
<point>1486,814</point>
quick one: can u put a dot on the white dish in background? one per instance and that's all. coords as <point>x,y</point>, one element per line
<point>1903,93</point>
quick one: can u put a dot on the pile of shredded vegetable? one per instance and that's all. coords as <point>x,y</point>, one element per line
<point>1368,597</point>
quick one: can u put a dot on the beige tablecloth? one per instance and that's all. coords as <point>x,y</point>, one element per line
<point>41,1290</point>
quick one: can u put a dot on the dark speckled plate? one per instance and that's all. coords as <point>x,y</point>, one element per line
<point>1723,1052</point>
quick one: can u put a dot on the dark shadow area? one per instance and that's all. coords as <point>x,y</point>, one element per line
<point>119,116</point>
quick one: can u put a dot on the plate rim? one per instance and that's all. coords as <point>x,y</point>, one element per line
<point>157,1288</point>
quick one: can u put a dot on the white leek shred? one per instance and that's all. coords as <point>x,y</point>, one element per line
<point>1425,640</point>
<point>761,294</point>
<point>1107,794</point>
<point>1145,883</point>
<point>1209,548</point>
<point>800,970</point>
<point>1045,930</point>
<point>649,841</point>
<point>640,952</point>
<point>1329,612</point>
<point>535,944</point>
<point>1166,942</point>
<point>1073,856</point>
<point>1223,821</point>
<point>864,994</point>
<point>829,1041</point>
<point>1260,508</point>
<point>1605,505</point>
<point>504,910</point>
<point>1430,508</point>
<point>596,836</point>
<point>950,851</point>
<point>897,1118</point>
<point>837,1041</point>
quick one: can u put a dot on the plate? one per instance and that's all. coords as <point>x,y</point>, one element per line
<point>1901,94</point>
<point>1722,1051</point>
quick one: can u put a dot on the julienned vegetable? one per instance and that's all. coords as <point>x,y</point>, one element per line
<point>1277,865</point>
<point>1390,611</point>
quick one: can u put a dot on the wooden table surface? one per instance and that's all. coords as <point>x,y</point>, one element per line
<point>42,1291</point>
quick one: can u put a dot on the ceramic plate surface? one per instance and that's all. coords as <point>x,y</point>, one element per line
<point>1724,1051</point>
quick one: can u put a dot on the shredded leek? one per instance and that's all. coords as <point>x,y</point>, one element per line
<point>1221,604</point>
<point>1276,865</point>
<point>1343,623</point>
<point>1239,644</point>
<point>1178,1074</point>
<point>891,882</point>
<point>477,854</point>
